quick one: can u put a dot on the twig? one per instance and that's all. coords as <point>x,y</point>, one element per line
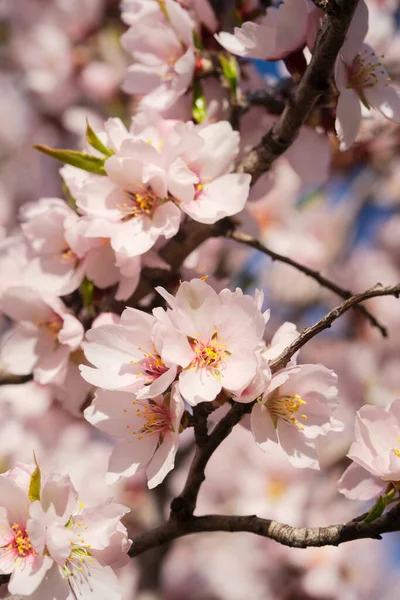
<point>247,240</point>
<point>314,83</point>
<point>10,379</point>
<point>182,522</point>
<point>324,323</point>
<point>295,537</point>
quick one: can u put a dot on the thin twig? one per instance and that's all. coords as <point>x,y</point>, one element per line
<point>247,240</point>
<point>314,83</point>
<point>182,522</point>
<point>324,323</point>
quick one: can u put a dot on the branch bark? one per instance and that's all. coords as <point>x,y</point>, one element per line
<point>247,240</point>
<point>182,522</point>
<point>295,537</point>
<point>314,83</point>
<point>324,323</point>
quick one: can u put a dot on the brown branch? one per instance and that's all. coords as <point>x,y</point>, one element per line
<point>314,83</point>
<point>184,505</point>
<point>182,522</point>
<point>324,323</point>
<point>247,240</point>
<point>10,379</point>
<point>295,537</point>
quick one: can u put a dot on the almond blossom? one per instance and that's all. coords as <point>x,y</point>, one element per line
<point>125,356</point>
<point>148,431</point>
<point>375,452</point>
<point>362,80</point>
<point>161,40</point>
<point>43,338</point>
<point>213,337</point>
<point>281,31</point>
<point>295,410</point>
<point>50,543</point>
<point>62,255</point>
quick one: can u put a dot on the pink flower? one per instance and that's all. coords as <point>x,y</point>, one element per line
<point>199,178</point>
<point>161,42</point>
<point>361,79</point>
<point>281,31</point>
<point>213,337</point>
<point>51,545</point>
<point>375,452</point>
<point>43,338</point>
<point>63,255</point>
<point>131,205</point>
<point>295,410</point>
<point>126,356</point>
<point>148,431</point>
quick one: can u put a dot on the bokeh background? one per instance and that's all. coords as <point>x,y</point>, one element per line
<point>61,63</point>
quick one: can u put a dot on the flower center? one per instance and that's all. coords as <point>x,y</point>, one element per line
<point>366,71</point>
<point>52,327</point>
<point>138,204</point>
<point>67,256</point>
<point>151,366</point>
<point>21,545</point>
<point>210,354</point>
<point>285,408</point>
<point>156,418</point>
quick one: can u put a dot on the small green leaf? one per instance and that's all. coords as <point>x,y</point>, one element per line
<point>87,291</point>
<point>69,197</point>
<point>95,142</point>
<point>34,484</point>
<point>93,164</point>
<point>199,106</point>
<point>230,71</point>
<point>376,510</point>
<point>197,41</point>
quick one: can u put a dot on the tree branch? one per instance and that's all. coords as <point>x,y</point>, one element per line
<point>295,537</point>
<point>324,323</point>
<point>314,83</point>
<point>244,238</point>
<point>182,522</point>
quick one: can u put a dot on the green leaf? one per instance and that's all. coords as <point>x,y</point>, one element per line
<point>69,197</point>
<point>34,484</point>
<point>87,291</point>
<point>95,142</point>
<point>230,71</point>
<point>199,106</point>
<point>81,160</point>
<point>376,510</point>
<point>197,41</point>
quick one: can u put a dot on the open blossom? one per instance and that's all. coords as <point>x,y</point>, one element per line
<point>375,452</point>
<point>54,547</point>
<point>161,42</point>
<point>148,431</point>
<point>295,410</point>
<point>281,31</point>
<point>361,79</point>
<point>213,338</point>
<point>200,179</point>
<point>126,356</point>
<point>43,338</point>
<point>61,254</point>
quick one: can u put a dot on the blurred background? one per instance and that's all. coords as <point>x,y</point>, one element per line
<point>337,212</point>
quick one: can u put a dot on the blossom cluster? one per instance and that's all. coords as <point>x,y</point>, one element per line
<point>208,346</point>
<point>49,541</point>
<point>130,375</point>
